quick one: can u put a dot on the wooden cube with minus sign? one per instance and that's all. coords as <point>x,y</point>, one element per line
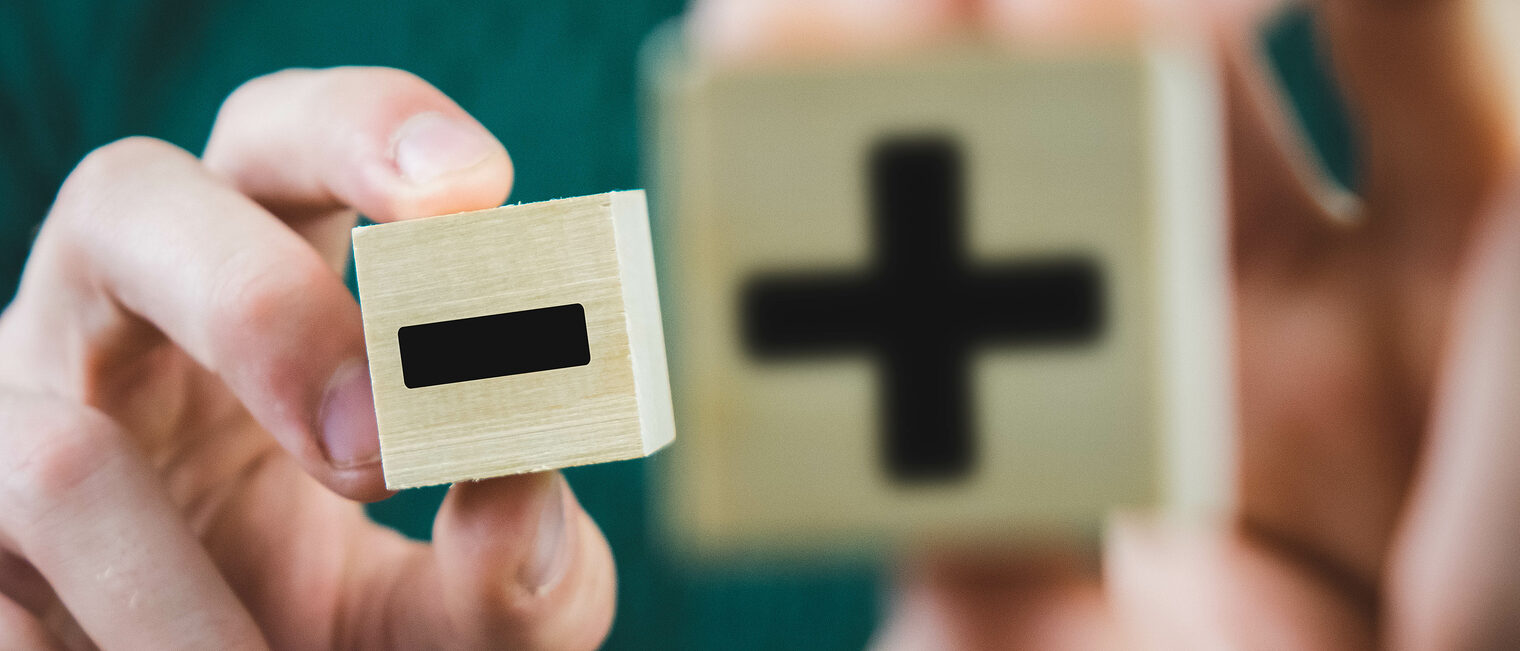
<point>517,339</point>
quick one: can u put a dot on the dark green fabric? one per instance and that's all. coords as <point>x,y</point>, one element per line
<point>555,81</point>
<point>1295,48</point>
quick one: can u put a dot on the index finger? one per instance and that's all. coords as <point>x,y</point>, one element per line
<point>379,140</point>
<point>315,146</point>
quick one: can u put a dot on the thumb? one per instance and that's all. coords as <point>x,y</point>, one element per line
<point>515,563</point>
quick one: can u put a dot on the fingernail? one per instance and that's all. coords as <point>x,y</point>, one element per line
<point>350,437</point>
<point>430,145</point>
<point>550,555</point>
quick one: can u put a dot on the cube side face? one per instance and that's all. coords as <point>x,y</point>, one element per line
<point>1198,416</point>
<point>498,262</point>
<point>646,332</point>
<point>772,168</point>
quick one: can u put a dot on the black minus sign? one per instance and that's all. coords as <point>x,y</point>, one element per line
<point>494,345</point>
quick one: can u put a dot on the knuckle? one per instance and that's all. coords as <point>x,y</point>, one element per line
<point>94,182</point>
<point>375,80</point>
<point>63,446</point>
<point>264,315</point>
<point>96,191</point>
<point>271,326</point>
<point>117,159</point>
<point>250,104</point>
<point>261,290</point>
<point>248,97</point>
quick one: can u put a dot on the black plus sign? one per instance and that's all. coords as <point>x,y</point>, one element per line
<point>922,309</point>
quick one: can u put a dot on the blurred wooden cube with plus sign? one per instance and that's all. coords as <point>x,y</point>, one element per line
<point>941,296</point>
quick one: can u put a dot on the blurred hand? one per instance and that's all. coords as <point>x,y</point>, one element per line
<point>185,412</point>
<point>1380,440</point>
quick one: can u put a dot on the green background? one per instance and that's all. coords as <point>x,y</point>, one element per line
<point>555,81</point>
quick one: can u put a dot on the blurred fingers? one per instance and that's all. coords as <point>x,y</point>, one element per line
<point>1067,23</point>
<point>1037,599</point>
<point>1454,577</point>
<point>1172,587</point>
<point>738,31</point>
<point>1426,85</point>
<point>85,509</point>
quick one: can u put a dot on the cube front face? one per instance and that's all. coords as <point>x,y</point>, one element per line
<point>499,341</point>
<point>916,300</point>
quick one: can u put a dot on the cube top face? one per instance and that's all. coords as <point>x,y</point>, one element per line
<point>516,339</point>
<point>932,299</point>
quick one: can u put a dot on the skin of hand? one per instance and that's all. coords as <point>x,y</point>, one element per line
<point>185,414</point>
<point>1379,436</point>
